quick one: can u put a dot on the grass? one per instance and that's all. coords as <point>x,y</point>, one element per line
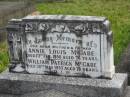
<point>117,11</point>
<point>3,56</point>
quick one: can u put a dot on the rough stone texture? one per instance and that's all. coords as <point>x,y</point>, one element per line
<point>50,94</point>
<point>27,85</point>
<point>8,95</point>
<point>128,92</point>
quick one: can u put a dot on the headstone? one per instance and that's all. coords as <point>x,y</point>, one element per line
<point>55,56</point>
<point>58,45</point>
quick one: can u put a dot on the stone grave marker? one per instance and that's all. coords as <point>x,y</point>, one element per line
<point>68,56</point>
<point>58,45</point>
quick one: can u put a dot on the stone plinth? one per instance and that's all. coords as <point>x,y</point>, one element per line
<point>37,85</point>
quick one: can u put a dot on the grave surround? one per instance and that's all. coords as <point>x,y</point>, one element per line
<point>32,84</point>
<point>61,56</point>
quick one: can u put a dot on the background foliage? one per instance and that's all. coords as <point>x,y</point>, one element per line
<point>117,11</point>
<point>3,56</point>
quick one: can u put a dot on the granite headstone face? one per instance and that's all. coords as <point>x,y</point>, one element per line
<point>61,45</point>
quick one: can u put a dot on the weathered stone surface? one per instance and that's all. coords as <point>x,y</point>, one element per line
<point>13,83</point>
<point>9,95</point>
<point>127,94</point>
<point>51,94</point>
<point>61,45</point>
<point>48,93</point>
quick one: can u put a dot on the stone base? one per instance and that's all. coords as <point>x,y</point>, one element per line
<point>29,85</point>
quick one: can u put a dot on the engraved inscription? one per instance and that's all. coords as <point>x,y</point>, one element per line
<point>63,52</point>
